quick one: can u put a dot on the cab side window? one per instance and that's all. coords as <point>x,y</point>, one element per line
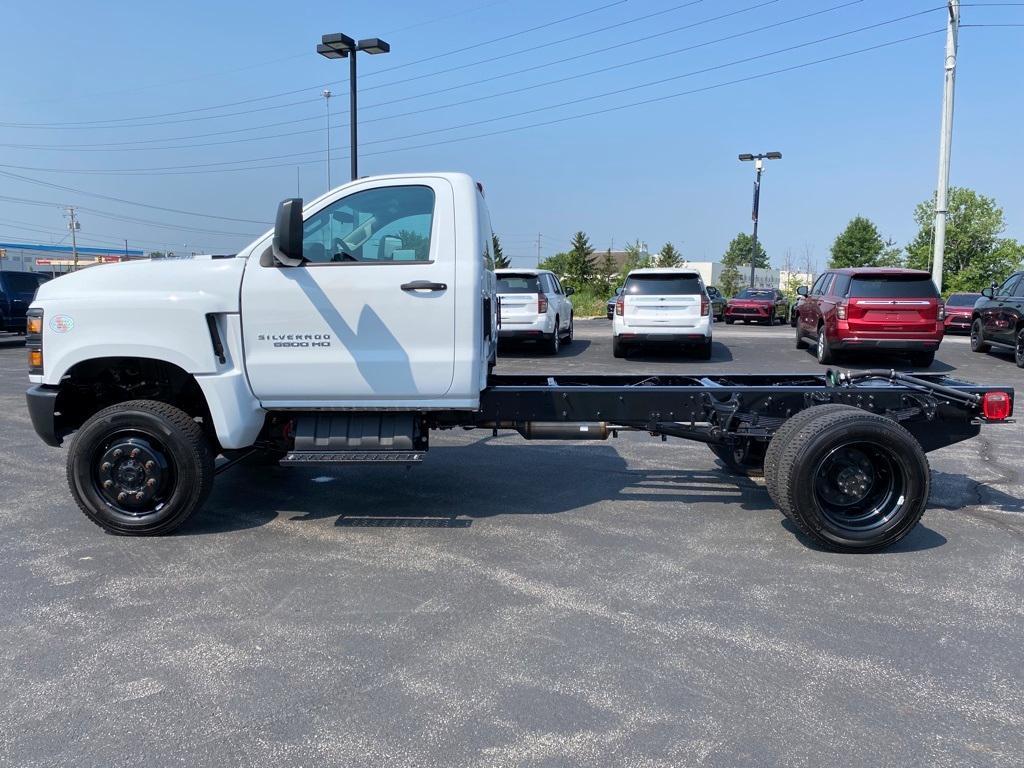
<point>377,226</point>
<point>1007,288</point>
<point>1019,292</point>
<point>819,284</point>
<point>841,285</point>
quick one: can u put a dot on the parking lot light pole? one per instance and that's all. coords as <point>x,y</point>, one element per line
<point>339,46</point>
<point>758,166</point>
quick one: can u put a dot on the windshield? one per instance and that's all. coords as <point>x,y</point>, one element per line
<point>962,299</point>
<point>753,293</point>
<point>892,287</point>
<point>662,285</point>
<point>518,284</point>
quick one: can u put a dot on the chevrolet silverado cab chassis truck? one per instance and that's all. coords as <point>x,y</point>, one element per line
<point>368,319</point>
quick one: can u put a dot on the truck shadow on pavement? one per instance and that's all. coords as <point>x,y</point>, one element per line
<point>719,354</point>
<point>460,484</point>
<point>526,349</point>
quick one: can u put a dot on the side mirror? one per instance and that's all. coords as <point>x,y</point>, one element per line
<point>988,293</point>
<point>287,242</point>
<point>569,291</point>
<point>802,290</point>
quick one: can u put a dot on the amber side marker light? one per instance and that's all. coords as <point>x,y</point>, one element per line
<point>34,324</point>
<point>996,406</point>
<point>34,341</point>
<point>35,358</point>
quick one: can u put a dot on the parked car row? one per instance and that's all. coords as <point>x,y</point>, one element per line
<point>866,309</point>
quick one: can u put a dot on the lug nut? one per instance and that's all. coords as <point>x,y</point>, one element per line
<point>134,453</point>
<point>140,496</point>
<point>118,453</point>
<point>108,483</point>
<point>151,483</point>
<point>122,496</point>
<point>150,466</point>
<point>105,466</point>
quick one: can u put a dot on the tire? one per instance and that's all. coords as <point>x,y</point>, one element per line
<point>852,481</point>
<point>569,334</point>
<point>618,348</point>
<point>792,320</point>
<point>922,359</point>
<point>771,319</point>
<point>140,447</point>
<point>801,343</point>
<point>978,337</point>
<point>704,351</point>
<point>784,435</point>
<point>823,351</point>
<point>1018,349</point>
<point>745,458</point>
<point>554,342</point>
<point>729,321</point>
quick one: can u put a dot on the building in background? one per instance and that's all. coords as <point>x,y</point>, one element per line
<point>58,259</point>
<point>711,273</point>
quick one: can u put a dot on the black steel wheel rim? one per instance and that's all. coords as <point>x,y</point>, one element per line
<point>133,473</point>
<point>859,487</point>
<point>975,334</point>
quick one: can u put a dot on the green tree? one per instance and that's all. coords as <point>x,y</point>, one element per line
<point>635,259</point>
<point>859,245</point>
<point>608,268</point>
<point>156,255</point>
<point>559,264</point>
<point>501,261</point>
<point>976,255</point>
<point>729,281</point>
<point>579,264</point>
<point>668,256</point>
<point>891,255</point>
<point>738,253</point>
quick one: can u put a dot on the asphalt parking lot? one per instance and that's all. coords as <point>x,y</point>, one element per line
<point>514,604</point>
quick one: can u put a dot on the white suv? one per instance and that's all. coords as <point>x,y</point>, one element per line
<point>534,307</point>
<point>662,306</point>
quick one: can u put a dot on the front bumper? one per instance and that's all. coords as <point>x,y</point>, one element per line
<point>957,322</point>
<point>747,313</point>
<point>42,410</point>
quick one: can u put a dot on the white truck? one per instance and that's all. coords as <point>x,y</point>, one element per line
<point>368,319</point>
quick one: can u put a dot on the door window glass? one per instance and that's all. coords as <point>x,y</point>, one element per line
<point>841,285</point>
<point>1006,289</point>
<point>383,225</point>
<point>1019,292</point>
<point>819,285</point>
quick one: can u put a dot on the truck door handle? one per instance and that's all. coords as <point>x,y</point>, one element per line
<point>424,285</point>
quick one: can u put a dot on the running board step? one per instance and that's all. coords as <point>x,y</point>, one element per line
<point>353,457</point>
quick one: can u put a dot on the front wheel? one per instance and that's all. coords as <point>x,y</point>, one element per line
<point>978,343</point>
<point>140,468</point>
<point>1018,349</point>
<point>852,481</point>
<point>569,333</point>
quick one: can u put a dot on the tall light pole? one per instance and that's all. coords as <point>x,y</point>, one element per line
<point>339,46</point>
<point>945,142</point>
<point>327,102</point>
<point>759,166</point>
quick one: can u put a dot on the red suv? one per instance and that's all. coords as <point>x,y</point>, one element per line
<point>872,308</point>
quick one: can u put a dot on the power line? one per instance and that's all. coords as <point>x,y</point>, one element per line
<point>113,122</point>
<point>226,164</point>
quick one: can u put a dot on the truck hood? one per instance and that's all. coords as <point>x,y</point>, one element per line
<point>213,283</point>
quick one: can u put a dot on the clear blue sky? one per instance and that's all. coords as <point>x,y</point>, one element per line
<point>859,134</point>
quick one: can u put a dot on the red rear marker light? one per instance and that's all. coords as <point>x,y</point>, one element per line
<point>942,311</point>
<point>841,311</point>
<point>620,304</point>
<point>542,304</point>
<point>705,305</point>
<point>996,406</point>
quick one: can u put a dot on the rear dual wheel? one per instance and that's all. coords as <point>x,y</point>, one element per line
<point>140,468</point>
<point>850,480</point>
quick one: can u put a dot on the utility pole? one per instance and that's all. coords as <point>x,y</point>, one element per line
<point>759,167</point>
<point>539,236</point>
<point>74,226</point>
<point>945,142</point>
<point>327,101</point>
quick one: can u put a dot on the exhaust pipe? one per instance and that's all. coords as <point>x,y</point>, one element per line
<point>556,430</point>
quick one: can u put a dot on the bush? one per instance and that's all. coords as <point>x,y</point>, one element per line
<point>590,301</point>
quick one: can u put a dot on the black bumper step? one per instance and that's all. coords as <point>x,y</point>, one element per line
<point>352,457</point>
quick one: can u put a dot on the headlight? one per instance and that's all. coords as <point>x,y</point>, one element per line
<point>34,341</point>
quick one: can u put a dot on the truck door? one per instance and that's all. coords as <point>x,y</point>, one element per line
<point>370,314</point>
<point>994,315</point>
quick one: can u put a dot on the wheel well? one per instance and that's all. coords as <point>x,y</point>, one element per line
<point>92,385</point>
